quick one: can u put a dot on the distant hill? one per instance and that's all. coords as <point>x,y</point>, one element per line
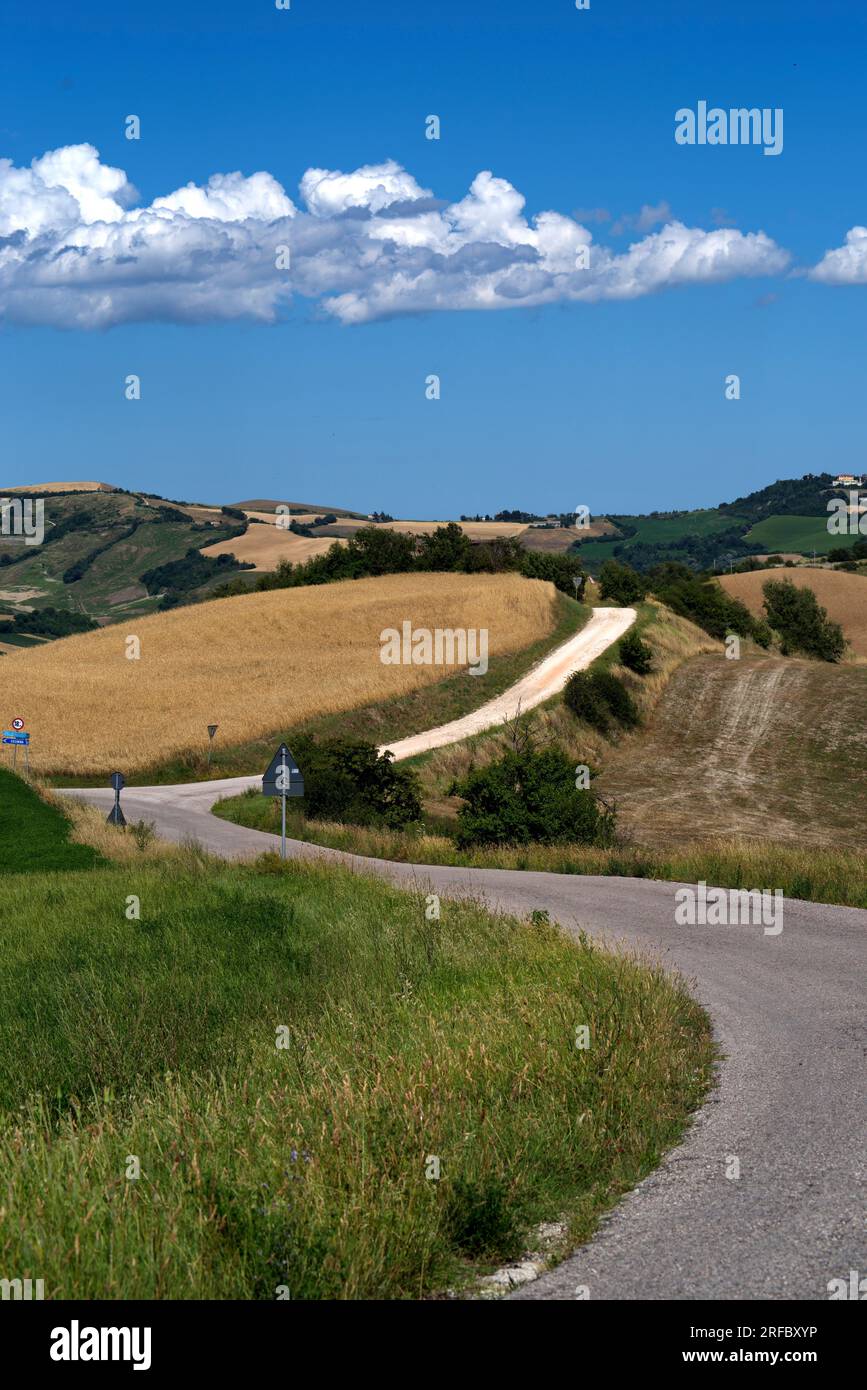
<point>807,496</point>
<point>270,504</point>
<point>100,544</point>
<point>39,488</point>
<point>111,554</point>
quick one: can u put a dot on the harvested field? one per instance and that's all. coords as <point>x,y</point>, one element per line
<point>266,546</point>
<point>843,594</point>
<point>59,487</point>
<point>251,664</point>
<point>769,747</point>
<point>476,530</point>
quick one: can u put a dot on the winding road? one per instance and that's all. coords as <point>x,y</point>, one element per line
<point>790,1016</point>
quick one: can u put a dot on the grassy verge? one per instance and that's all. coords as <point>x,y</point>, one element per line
<point>831,876</point>
<point>382,722</point>
<point>34,835</point>
<point>672,640</point>
<point>154,1038</point>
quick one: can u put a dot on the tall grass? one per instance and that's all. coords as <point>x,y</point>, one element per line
<point>35,834</point>
<point>305,1166</point>
<point>832,876</point>
<point>672,640</point>
<point>252,664</point>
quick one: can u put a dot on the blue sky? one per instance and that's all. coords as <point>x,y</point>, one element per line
<point>617,403</point>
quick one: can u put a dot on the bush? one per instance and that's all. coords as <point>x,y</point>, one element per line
<point>584,698</point>
<point>704,602</point>
<point>561,571</point>
<point>617,697</point>
<point>621,583</point>
<point>52,622</point>
<point>801,621</point>
<point>635,654</point>
<point>529,798</point>
<point>594,696</point>
<point>349,781</point>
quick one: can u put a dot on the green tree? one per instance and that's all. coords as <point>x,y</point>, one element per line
<point>635,654</point>
<point>529,797</point>
<point>801,621</point>
<point>620,583</point>
<point>347,780</point>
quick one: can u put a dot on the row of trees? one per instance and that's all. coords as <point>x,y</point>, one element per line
<point>376,550</point>
<point>792,612</point>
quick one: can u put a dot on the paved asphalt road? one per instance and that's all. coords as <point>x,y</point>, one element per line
<point>790,1016</point>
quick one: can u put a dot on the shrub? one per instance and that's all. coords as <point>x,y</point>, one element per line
<point>346,780</point>
<point>583,697</point>
<point>53,622</point>
<point>529,798</point>
<point>594,696</point>
<point>762,634</point>
<point>560,570</point>
<point>144,833</point>
<point>621,583</point>
<point>802,622</point>
<point>616,697</point>
<point>635,654</point>
<point>702,601</point>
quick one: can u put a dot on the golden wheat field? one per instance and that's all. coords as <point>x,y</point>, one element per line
<point>251,664</point>
<point>265,546</point>
<point>60,487</point>
<point>843,595</point>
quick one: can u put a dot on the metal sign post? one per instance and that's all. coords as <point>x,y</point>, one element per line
<point>116,815</point>
<point>282,777</point>
<point>16,738</point>
<point>212,729</point>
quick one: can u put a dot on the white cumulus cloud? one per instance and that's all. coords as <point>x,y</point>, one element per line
<point>847,265</point>
<point>76,250</point>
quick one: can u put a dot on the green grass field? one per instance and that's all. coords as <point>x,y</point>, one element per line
<point>657,530</point>
<point>33,835</point>
<point>801,534</point>
<point>149,1045</point>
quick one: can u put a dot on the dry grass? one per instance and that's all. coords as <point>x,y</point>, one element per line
<point>476,530</point>
<point>252,664</point>
<point>59,487</point>
<point>843,595</point>
<point>118,845</point>
<point>672,640</point>
<point>770,747</point>
<point>266,546</point>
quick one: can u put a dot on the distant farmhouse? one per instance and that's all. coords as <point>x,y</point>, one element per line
<point>848,480</point>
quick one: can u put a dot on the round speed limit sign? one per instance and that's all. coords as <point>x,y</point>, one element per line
<point>18,725</point>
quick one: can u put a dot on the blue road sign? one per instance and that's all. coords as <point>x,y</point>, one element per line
<point>17,740</point>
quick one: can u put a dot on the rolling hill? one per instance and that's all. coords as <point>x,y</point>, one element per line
<point>110,555</point>
<point>843,595</point>
<point>252,664</point>
<point>765,748</point>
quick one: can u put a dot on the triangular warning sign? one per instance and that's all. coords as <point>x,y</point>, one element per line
<point>275,780</point>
